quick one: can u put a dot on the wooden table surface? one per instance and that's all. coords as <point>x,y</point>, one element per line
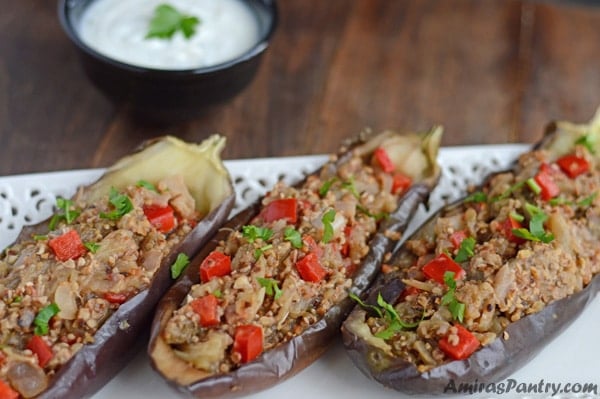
<point>489,71</point>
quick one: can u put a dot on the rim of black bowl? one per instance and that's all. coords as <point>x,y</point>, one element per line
<point>258,48</point>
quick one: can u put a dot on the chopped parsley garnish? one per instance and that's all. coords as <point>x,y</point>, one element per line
<point>167,21</point>
<point>378,217</point>
<point>533,186</point>
<point>292,235</point>
<point>349,185</point>
<point>584,203</point>
<point>477,196</point>
<point>387,312</point>
<point>346,185</point>
<point>516,216</point>
<point>560,201</point>
<point>456,308</point>
<point>271,287</point>
<point>259,251</point>
<point>92,246</point>
<point>252,233</point>
<point>355,297</point>
<point>326,186</point>
<point>217,293</point>
<point>121,203</point>
<point>43,318</point>
<point>40,237</point>
<point>68,214</point>
<point>509,191</point>
<point>147,185</point>
<point>327,220</point>
<point>536,230</point>
<point>395,324</point>
<point>179,266</point>
<point>588,141</point>
<point>465,251</point>
<point>587,201</point>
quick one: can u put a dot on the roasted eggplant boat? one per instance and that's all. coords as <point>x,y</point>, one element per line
<point>265,298</point>
<point>79,290</point>
<point>485,283</point>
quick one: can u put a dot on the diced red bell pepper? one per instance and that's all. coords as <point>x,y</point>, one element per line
<point>6,392</point>
<point>345,249</point>
<point>457,238</point>
<point>400,183</point>
<point>285,208</point>
<point>43,351</point>
<point>115,297</point>
<point>466,345</point>
<point>573,165</point>
<point>67,246</point>
<point>161,217</point>
<point>312,245</point>
<point>546,182</point>
<point>248,342</point>
<point>384,161</point>
<point>310,268</point>
<point>435,268</point>
<point>507,229</point>
<point>216,264</point>
<point>207,308</point>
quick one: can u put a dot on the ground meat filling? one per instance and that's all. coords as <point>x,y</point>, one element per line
<point>58,288</point>
<point>526,239</point>
<point>282,272</point>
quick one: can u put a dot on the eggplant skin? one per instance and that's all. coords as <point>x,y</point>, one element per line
<point>521,342</point>
<point>124,333</point>
<point>286,360</point>
<point>494,362</point>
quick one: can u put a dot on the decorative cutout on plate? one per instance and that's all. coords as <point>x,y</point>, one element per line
<point>28,199</point>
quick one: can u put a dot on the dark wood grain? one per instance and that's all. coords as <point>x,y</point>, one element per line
<point>564,78</point>
<point>489,71</point>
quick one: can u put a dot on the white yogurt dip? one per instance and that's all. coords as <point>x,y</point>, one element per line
<point>118,28</point>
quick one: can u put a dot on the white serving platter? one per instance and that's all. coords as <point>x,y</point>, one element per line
<point>571,360</point>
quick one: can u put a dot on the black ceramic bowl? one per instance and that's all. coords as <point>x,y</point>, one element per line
<point>169,95</point>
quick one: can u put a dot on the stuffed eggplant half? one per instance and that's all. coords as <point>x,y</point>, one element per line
<point>488,281</point>
<point>266,297</point>
<point>79,290</point>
